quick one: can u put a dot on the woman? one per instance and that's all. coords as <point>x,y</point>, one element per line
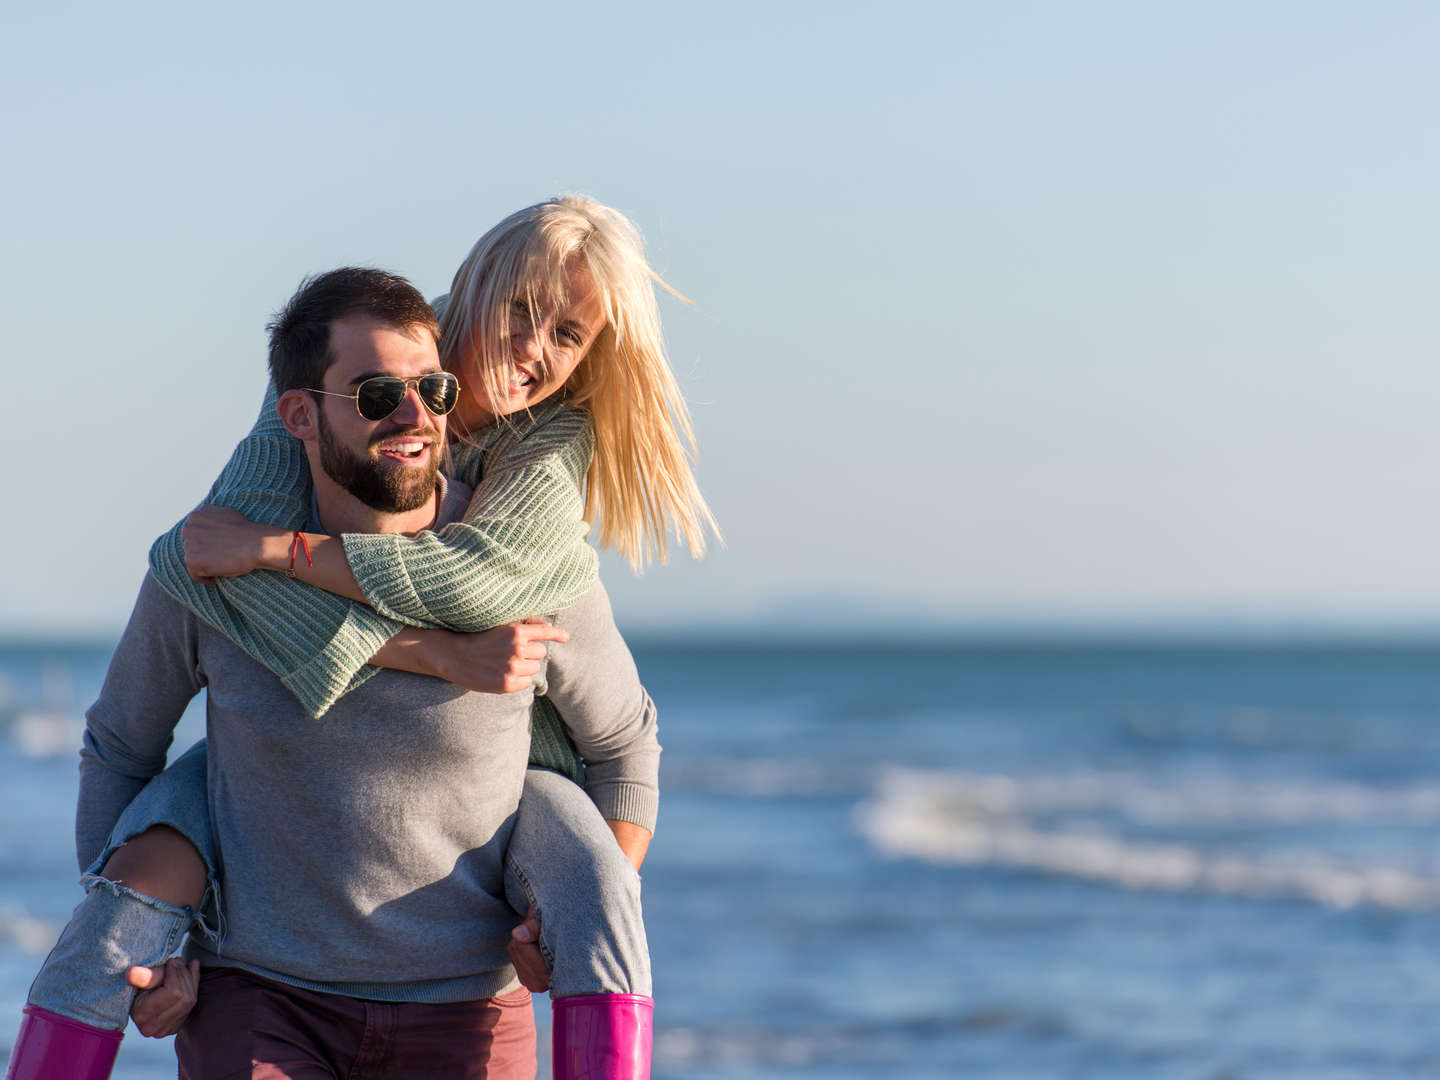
<point>551,324</point>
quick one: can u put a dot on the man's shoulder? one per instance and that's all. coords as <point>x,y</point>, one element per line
<point>157,656</point>
<point>555,430</point>
<point>156,606</point>
<point>590,611</point>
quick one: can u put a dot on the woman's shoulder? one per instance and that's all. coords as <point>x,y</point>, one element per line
<point>552,426</point>
<point>556,433</point>
<point>556,422</point>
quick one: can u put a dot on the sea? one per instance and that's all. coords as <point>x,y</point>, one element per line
<point>1029,858</point>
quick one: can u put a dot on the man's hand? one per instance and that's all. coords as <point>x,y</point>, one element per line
<point>524,951</point>
<point>167,994</point>
<point>221,542</point>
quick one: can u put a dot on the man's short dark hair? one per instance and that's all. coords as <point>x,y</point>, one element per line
<point>300,332</point>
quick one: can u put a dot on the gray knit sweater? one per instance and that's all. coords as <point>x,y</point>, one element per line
<point>520,550</point>
<point>371,843</point>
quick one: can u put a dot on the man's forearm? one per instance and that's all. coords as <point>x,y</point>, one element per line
<point>634,840</point>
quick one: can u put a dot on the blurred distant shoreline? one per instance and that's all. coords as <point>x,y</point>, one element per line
<point>913,634</point>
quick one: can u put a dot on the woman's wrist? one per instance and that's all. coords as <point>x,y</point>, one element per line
<point>273,549</point>
<point>414,650</point>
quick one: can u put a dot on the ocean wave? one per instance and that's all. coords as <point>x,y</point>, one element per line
<point>1043,824</point>
<point>765,777</point>
<point>876,1041</point>
<point>44,734</point>
<point>26,932</point>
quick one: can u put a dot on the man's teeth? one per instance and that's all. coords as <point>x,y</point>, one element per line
<point>403,448</point>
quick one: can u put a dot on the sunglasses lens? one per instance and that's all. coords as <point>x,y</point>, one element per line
<point>439,392</point>
<point>378,398</point>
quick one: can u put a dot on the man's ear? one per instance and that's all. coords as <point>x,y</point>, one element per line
<point>299,412</point>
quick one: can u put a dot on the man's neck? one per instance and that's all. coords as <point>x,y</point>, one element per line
<point>341,512</point>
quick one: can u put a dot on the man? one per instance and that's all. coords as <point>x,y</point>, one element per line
<point>364,897</point>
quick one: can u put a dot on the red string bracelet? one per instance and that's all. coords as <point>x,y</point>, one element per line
<point>299,542</point>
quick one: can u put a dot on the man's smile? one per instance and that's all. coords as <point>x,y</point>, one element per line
<point>410,450</point>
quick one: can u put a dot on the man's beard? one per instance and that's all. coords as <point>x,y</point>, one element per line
<point>391,489</point>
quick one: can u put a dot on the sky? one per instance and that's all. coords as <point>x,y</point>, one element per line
<point>1019,313</point>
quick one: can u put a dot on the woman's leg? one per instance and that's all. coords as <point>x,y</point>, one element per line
<point>140,901</point>
<point>136,911</point>
<point>564,862</point>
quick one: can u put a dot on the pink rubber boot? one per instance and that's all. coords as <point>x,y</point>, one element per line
<point>602,1036</point>
<point>54,1047</point>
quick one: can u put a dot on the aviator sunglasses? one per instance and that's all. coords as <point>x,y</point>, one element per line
<point>378,397</point>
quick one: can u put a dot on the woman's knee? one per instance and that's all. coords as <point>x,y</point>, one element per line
<point>162,863</point>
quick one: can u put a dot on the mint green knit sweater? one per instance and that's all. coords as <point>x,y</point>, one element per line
<point>519,551</point>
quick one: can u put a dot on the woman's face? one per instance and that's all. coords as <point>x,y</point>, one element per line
<point>546,344</point>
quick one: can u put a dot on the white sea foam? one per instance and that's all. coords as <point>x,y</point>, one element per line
<point>27,932</point>
<point>1049,825</point>
<point>764,777</point>
<point>39,734</point>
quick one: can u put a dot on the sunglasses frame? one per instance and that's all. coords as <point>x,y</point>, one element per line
<point>414,379</point>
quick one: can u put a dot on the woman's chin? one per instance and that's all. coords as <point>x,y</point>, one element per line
<point>520,400</point>
<point>481,409</point>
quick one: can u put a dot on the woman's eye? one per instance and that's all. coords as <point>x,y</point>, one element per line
<point>567,336</point>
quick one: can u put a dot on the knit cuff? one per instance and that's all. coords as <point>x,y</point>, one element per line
<point>378,564</point>
<point>344,662</point>
<point>621,801</point>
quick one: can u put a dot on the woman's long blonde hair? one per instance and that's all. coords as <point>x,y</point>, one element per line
<point>640,483</point>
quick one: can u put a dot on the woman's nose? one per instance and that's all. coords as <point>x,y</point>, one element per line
<point>525,340</point>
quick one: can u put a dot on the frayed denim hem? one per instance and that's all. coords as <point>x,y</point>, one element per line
<point>111,930</point>
<point>208,923</point>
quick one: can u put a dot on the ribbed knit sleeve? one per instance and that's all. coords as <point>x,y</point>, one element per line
<point>519,550</point>
<point>315,642</point>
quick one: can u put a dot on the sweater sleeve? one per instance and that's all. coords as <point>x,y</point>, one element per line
<point>153,675</point>
<point>592,682</point>
<point>520,549</point>
<point>316,643</point>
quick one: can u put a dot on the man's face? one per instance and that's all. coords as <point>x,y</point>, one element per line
<point>390,465</point>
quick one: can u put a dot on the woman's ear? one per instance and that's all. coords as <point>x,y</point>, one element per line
<point>299,412</point>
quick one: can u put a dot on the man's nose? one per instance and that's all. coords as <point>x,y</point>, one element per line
<point>411,411</point>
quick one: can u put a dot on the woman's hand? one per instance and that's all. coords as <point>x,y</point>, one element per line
<point>499,661</point>
<point>220,542</point>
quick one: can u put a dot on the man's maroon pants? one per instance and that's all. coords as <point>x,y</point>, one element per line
<point>245,1026</point>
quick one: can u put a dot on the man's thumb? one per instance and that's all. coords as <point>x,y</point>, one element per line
<point>145,978</point>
